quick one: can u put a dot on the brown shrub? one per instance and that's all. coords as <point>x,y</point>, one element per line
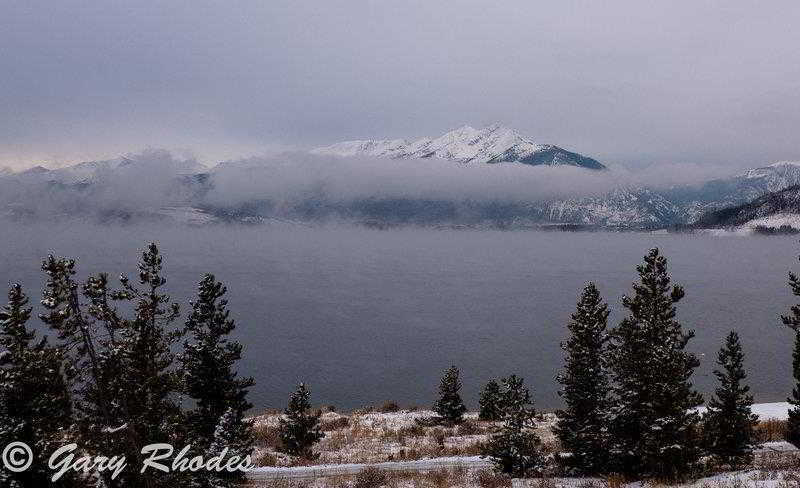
<point>370,478</point>
<point>439,435</point>
<point>337,423</point>
<point>266,459</point>
<point>770,430</point>
<point>414,430</point>
<point>468,427</point>
<point>615,481</point>
<point>267,436</point>
<point>488,478</point>
<point>389,407</point>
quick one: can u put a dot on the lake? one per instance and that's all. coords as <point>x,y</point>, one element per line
<point>365,316</point>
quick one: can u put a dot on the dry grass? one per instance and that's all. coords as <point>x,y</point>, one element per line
<point>371,437</point>
<point>770,430</point>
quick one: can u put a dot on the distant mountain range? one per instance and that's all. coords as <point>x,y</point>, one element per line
<point>490,145</point>
<point>156,186</point>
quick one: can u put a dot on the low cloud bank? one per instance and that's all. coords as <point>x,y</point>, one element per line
<point>141,184</point>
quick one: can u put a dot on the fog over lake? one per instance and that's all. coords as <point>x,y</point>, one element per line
<point>365,316</point>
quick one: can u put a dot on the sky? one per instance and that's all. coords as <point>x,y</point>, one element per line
<point>629,82</point>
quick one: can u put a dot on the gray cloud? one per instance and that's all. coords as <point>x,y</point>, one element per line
<point>626,82</point>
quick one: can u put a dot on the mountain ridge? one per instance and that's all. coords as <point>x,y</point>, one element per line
<point>491,145</point>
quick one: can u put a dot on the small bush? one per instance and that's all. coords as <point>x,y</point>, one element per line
<point>370,478</point>
<point>770,430</point>
<point>337,423</point>
<point>266,459</point>
<point>389,407</point>
<point>615,481</point>
<point>267,436</point>
<point>439,435</point>
<point>487,478</point>
<point>468,428</point>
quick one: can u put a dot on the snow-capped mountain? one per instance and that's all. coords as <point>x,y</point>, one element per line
<point>493,144</point>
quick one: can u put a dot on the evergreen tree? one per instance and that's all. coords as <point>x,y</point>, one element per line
<point>147,340</point>
<point>490,402</point>
<point>209,376</point>
<point>209,360</point>
<point>300,427</point>
<point>449,406</point>
<point>35,405</point>
<point>122,368</point>
<point>793,321</point>
<point>655,429</point>
<point>729,422</point>
<point>98,409</point>
<point>515,448</point>
<point>231,439</point>
<point>582,427</point>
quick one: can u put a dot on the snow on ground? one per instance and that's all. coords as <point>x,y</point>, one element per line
<point>328,470</point>
<point>375,437</point>
<point>766,411</point>
<point>399,444</point>
<point>739,479</point>
<point>775,221</point>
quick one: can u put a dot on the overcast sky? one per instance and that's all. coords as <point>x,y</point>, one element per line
<point>632,82</point>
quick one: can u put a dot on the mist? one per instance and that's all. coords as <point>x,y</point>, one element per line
<point>303,186</point>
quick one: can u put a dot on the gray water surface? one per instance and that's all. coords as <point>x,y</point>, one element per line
<point>366,316</point>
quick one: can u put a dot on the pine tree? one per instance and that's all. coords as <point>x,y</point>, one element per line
<point>35,405</point>
<point>515,448</point>
<point>793,322</point>
<point>582,427</point>
<point>449,406</point>
<point>209,377</point>
<point>490,402</point>
<point>729,422</point>
<point>300,427</point>
<point>231,439</point>
<point>122,369</point>
<point>655,429</point>
<point>209,360</point>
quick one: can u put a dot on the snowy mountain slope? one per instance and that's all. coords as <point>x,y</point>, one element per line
<point>622,207</point>
<point>782,203</point>
<point>735,190</point>
<point>493,144</point>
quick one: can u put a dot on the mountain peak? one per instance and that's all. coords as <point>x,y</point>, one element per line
<point>492,144</point>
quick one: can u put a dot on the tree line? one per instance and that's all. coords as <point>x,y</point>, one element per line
<point>122,372</point>
<point>630,406</point>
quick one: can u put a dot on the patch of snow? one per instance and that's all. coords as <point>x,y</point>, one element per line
<point>326,470</point>
<point>766,411</point>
